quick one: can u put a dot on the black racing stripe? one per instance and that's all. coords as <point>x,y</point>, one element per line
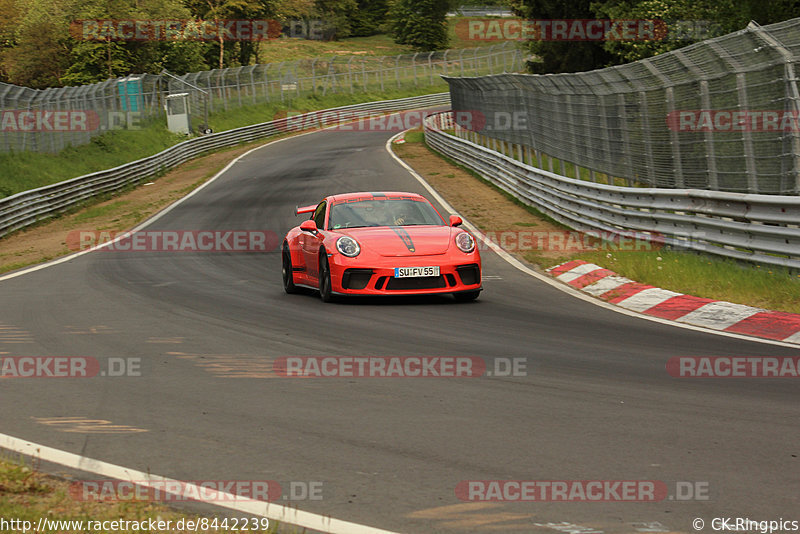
<point>401,232</point>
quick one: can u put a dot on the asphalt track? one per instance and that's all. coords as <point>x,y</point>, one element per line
<point>597,403</point>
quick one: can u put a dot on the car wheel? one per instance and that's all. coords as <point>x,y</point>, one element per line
<point>325,292</point>
<point>466,296</point>
<point>287,272</point>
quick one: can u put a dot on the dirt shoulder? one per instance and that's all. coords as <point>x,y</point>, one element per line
<point>519,229</point>
<point>48,240</point>
<point>504,219</point>
<point>533,237</point>
<point>65,504</point>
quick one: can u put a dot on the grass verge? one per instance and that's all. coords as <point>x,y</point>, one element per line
<point>499,214</point>
<point>28,170</point>
<point>49,239</point>
<point>28,495</point>
<point>22,171</point>
<point>290,49</point>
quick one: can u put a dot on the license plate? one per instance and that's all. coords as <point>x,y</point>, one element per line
<point>415,272</point>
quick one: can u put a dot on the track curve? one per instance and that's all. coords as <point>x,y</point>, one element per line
<point>597,403</point>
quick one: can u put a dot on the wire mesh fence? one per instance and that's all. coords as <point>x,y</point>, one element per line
<point>48,120</point>
<point>720,115</point>
<point>29,207</point>
<point>51,119</point>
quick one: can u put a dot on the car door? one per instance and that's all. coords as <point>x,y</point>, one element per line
<point>310,243</point>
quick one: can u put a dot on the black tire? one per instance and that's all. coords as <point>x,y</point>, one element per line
<point>287,271</point>
<point>466,296</point>
<point>325,292</point>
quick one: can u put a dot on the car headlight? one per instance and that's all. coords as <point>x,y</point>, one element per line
<point>348,246</point>
<point>465,242</point>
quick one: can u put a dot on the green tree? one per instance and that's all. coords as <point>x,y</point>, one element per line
<point>561,56</point>
<point>241,51</point>
<point>38,42</point>
<point>221,10</point>
<point>8,25</point>
<point>421,24</point>
<point>688,21</point>
<point>286,10</point>
<point>93,60</point>
<point>369,18</point>
<point>336,17</point>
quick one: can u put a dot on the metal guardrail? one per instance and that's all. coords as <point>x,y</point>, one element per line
<point>699,117</point>
<point>117,103</point>
<point>26,208</point>
<point>758,228</point>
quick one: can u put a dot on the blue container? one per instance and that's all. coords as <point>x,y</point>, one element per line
<point>130,94</point>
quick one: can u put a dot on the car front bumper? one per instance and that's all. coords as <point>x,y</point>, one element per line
<point>348,278</point>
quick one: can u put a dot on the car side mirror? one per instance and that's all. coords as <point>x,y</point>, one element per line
<point>309,226</point>
<point>455,220</point>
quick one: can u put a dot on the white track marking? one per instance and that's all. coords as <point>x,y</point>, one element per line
<point>577,272</point>
<point>271,511</point>
<point>794,338</point>
<point>719,315</point>
<point>604,285</point>
<point>557,284</point>
<point>153,218</point>
<point>281,513</point>
<point>268,510</point>
<point>647,298</point>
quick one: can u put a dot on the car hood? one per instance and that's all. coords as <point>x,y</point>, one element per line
<point>395,241</point>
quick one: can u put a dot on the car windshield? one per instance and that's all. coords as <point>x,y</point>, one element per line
<point>382,212</point>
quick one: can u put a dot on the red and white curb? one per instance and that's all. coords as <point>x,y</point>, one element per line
<point>708,313</point>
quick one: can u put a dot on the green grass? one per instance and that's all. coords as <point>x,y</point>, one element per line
<point>22,171</point>
<point>27,495</point>
<point>290,49</point>
<point>99,211</point>
<point>456,40</point>
<point>27,170</point>
<point>570,170</point>
<point>701,275</point>
<point>414,136</point>
<point>763,286</point>
<point>253,114</point>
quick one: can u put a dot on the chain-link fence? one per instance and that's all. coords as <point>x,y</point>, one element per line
<point>52,119</point>
<point>721,115</point>
<point>48,120</point>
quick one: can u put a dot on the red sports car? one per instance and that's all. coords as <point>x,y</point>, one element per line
<point>380,244</point>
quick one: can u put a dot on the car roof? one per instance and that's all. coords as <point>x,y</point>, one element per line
<point>374,196</point>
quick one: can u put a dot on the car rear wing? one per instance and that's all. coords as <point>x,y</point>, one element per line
<point>305,209</point>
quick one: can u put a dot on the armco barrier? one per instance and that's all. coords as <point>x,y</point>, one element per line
<point>759,228</point>
<point>22,209</point>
